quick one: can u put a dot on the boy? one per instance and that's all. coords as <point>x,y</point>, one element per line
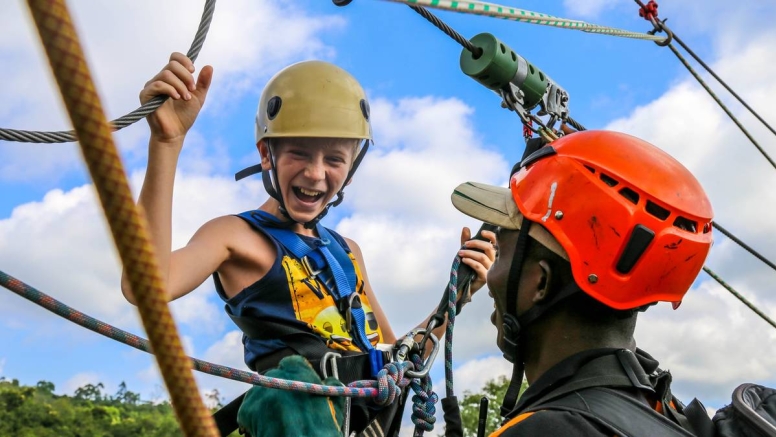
<point>293,286</point>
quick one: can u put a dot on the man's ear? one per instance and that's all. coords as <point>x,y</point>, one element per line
<point>542,291</point>
<point>264,153</point>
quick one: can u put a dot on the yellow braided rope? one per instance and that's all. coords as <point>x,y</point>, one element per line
<point>128,227</point>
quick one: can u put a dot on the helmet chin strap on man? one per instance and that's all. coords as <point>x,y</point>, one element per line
<point>272,185</point>
<point>513,323</point>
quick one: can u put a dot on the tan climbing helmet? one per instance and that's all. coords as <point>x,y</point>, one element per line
<point>313,99</point>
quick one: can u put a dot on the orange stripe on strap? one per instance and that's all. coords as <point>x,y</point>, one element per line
<point>511,423</point>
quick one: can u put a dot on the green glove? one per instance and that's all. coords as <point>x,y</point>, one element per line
<point>269,412</point>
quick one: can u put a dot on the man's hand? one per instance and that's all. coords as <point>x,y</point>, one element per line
<point>478,254</point>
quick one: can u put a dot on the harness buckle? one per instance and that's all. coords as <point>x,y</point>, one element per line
<point>353,301</point>
<point>330,357</point>
<point>307,265</point>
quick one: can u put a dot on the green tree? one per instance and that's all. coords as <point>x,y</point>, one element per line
<point>38,412</point>
<point>90,392</point>
<point>494,390</point>
<point>45,387</point>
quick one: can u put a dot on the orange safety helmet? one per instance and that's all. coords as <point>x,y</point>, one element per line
<point>635,223</point>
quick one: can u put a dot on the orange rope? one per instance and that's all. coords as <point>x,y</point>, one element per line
<point>128,227</point>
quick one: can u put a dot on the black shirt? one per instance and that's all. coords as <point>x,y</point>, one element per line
<point>573,371</point>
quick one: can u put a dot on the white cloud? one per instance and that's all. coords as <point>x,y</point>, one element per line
<point>424,147</point>
<point>399,212</point>
<point>2,365</point>
<point>278,33</point>
<point>589,8</point>
<point>81,379</point>
<point>228,351</point>
<point>472,375</point>
<point>65,236</point>
<point>711,343</point>
<point>403,219</point>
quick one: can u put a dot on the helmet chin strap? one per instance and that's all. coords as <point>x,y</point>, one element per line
<point>272,186</point>
<point>513,324</point>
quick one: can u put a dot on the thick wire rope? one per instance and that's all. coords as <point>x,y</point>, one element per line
<point>575,124</point>
<point>65,54</point>
<point>525,16</point>
<point>739,296</point>
<point>25,136</point>
<point>441,25</point>
<point>744,245</point>
<point>723,83</point>
<point>649,12</point>
<point>721,105</point>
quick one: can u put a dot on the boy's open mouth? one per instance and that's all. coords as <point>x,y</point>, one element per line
<point>306,195</point>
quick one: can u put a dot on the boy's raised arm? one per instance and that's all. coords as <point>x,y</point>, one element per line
<point>169,125</point>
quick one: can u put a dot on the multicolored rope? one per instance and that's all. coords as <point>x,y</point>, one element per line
<point>385,389</point>
<point>451,310</point>
<point>423,402</point>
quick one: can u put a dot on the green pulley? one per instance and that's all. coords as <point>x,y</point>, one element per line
<point>498,66</point>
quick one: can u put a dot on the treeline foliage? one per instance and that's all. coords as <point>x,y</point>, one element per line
<point>38,412</point>
<point>494,390</point>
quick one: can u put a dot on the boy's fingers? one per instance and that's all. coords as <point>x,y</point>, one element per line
<point>203,81</point>
<point>183,60</point>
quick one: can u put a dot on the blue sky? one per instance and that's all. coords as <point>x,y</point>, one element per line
<point>434,128</point>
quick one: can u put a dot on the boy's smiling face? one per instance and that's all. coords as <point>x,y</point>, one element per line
<point>310,172</point>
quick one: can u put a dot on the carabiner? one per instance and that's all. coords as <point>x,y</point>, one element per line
<point>330,357</point>
<point>430,360</point>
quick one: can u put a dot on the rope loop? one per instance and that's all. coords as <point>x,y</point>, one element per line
<point>649,12</point>
<point>423,402</point>
<point>390,381</point>
<point>660,26</point>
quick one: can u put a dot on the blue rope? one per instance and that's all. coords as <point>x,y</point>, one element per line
<point>453,287</point>
<point>423,401</point>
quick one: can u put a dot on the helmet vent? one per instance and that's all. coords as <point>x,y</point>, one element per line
<point>273,107</point>
<point>364,109</point>
<point>608,180</point>
<point>592,170</point>
<point>637,244</point>
<point>657,210</point>
<point>629,194</point>
<point>707,228</point>
<point>686,224</point>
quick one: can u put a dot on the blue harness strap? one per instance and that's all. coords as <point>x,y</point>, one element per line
<point>333,267</point>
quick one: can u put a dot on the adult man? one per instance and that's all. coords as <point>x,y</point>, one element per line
<point>594,228</point>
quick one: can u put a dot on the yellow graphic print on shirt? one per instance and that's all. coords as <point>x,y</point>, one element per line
<point>314,306</point>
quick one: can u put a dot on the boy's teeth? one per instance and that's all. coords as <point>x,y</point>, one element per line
<point>309,192</point>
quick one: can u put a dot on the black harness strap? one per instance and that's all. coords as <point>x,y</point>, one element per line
<point>619,413</point>
<point>618,370</point>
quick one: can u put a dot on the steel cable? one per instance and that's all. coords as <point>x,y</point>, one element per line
<point>25,136</point>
